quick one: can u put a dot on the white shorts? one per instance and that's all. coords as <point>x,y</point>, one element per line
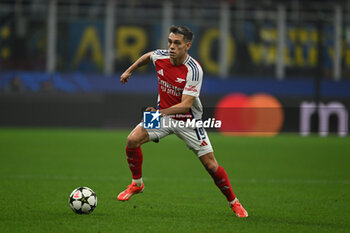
<point>196,139</point>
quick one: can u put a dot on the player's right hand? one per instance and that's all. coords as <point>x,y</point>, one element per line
<point>125,77</point>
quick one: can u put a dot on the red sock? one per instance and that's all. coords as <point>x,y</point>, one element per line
<point>135,159</point>
<point>221,180</point>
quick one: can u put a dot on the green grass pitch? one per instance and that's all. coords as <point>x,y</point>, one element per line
<point>287,183</point>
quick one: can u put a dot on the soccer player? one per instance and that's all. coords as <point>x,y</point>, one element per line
<point>179,83</point>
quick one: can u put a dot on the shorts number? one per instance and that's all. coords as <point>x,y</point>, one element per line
<point>200,133</point>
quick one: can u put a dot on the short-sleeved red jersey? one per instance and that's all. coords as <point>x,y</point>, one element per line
<point>174,81</point>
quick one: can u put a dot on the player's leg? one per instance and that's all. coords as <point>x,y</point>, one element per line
<point>222,181</point>
<point>198,141</point>
<point>136,138</point>
<point>218,174</point>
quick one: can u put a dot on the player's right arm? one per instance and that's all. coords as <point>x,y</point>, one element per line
<point>143,60</point>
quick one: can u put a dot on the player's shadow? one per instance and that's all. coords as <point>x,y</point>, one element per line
<point>290,221</point>
<point>67,212</point>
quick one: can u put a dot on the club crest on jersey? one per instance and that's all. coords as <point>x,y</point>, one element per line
<point>151,120</point>
<point>180,80</point>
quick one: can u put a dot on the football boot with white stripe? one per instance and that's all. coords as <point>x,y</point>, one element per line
<point>130,191</point>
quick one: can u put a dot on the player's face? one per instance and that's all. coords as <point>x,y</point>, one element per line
<point>178,47</point>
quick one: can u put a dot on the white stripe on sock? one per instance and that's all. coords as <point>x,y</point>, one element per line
<point>139,182</point>
<point>233,202</point>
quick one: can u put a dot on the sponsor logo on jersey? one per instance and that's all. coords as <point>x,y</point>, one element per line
<point>170,89</point>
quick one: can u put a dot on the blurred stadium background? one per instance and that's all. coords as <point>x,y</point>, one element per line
<point>286,62</point>
<point>60,60</point>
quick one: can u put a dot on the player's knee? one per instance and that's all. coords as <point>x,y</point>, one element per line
<point>132,141</point>
<point>211,167</point>
<point>136,138</point>
<point>209,162</point>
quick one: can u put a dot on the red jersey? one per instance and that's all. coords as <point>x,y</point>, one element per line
<point>174,81</point>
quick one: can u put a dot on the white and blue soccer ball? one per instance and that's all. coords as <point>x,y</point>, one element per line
<point>83,200</point>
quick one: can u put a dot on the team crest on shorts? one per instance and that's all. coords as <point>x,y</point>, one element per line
<point>151,120</point>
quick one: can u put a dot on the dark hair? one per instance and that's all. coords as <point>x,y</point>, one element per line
<point>183,30</point>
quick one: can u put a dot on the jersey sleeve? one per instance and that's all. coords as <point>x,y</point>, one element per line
<point>159,53</point>
<point>193,81</point>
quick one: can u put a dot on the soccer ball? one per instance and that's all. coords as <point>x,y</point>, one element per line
<point>83,200</point>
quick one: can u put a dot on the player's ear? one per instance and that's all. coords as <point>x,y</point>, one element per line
<point>188,45</point>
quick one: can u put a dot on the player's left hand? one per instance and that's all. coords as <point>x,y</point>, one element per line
<point>150,109</point>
